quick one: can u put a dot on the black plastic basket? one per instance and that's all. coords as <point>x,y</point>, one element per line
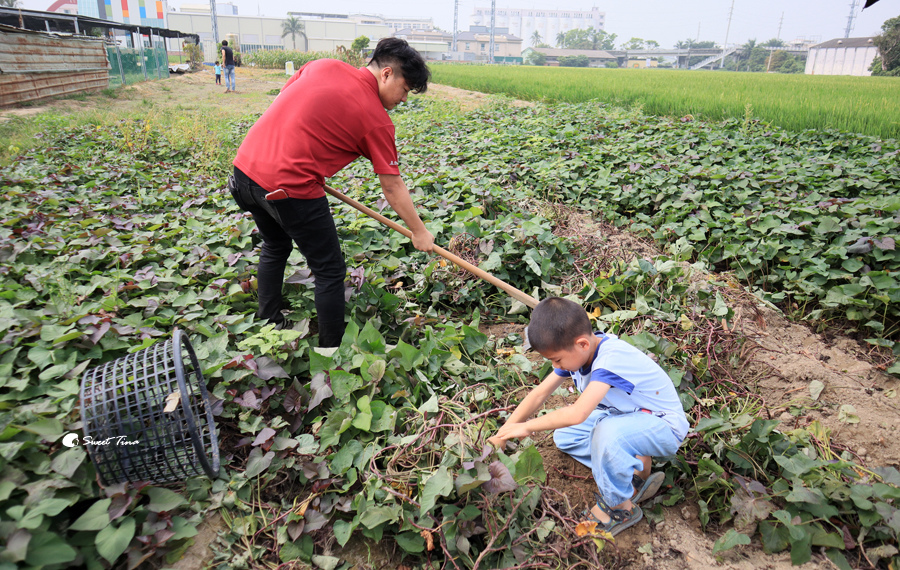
<point>129,434</point>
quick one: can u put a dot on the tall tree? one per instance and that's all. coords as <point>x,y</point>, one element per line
<point>291,27</point>
<point>360,44</point>
<point>536,38</point>
<point>9,3</point>
<point>600,39</point>
<point>889,47</point>
<point>561,39</point>
<point>634,43</point>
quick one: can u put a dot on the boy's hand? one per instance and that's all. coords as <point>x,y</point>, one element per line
<point>497,441</point>
<point>513,430</point>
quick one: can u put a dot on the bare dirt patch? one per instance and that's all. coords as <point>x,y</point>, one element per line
<point>789,358</point>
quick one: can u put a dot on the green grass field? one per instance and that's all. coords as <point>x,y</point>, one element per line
<point>867,105</point>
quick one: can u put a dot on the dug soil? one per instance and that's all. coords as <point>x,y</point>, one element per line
<point>791,359</point>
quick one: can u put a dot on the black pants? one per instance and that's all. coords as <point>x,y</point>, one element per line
<point>309,224</point>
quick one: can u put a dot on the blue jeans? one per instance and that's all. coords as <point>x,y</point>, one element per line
<point>309,224</point>
<point>609,441</point>
<point>229,77</point>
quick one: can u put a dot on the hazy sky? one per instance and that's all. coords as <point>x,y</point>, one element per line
<point>665,21</point>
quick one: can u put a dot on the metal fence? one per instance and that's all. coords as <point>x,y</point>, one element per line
<point>129,65</point>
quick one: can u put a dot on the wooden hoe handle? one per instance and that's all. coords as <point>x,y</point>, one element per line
<point>474,270</point>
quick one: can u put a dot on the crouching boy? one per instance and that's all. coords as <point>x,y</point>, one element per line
<point>628,410</point>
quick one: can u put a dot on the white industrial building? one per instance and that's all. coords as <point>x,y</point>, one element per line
<point>523,22</point>
<point>845,56</point>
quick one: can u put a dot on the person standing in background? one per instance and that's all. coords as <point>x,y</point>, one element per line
<point>228,60</point>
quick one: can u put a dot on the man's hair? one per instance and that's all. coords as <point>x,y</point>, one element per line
<point>224,43</point>
<point>556,323</point>
<point>394,53</point>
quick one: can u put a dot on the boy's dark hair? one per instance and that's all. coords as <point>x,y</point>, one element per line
<point>224,43</point>
<point>556,323</point>
<point>394,52</point>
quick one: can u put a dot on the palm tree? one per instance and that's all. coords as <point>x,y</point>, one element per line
<point>9,3</point>
<point>536,38</point>
<point>746,52</point>
<point>291,27</point>
<point>560,39</point>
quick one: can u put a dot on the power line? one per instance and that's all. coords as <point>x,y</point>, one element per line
<point>727,31</point>
<point>850,18</point>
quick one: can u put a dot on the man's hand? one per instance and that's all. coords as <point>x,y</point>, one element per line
<point>423,241</point>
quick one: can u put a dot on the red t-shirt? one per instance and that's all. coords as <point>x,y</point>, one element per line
<point>327,115</point>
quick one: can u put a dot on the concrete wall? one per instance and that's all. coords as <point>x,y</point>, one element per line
<point>840,60</point>
<point>255,33</point>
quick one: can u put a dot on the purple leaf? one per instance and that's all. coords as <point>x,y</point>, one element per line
<point>320,390</point>
<point>862,245</point>
<point>292,401</point>
<point>314,520</point>
<point>264,436</point>
<point>295,529</point>
<point>248,400</point>
<point>302,277</point>
<point>886,244</point>
<point>501,479</point>
<point>266,368</point>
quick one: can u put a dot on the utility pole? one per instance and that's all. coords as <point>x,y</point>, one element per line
<point>778,37</point>
<point>215,23</point>
<point>727,31</point>
<point>698,32</point>
<point>455,22</point>
<point>493,16</point>
<point>850,18</point>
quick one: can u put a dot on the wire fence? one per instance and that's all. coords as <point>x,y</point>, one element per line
<point>130,65</point>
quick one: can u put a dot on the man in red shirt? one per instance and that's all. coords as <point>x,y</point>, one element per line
<point>327,115</point>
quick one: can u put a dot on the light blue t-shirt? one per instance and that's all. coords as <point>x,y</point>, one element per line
<point>218,69</point>
<point>637,383</point>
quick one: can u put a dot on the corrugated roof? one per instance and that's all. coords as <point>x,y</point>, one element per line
<point>846,43</point>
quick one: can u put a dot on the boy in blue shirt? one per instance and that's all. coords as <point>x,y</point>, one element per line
<point>628,410</point>
<point>218,69</point>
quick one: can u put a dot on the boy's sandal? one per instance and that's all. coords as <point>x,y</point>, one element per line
<point>646,488</point>
<point>619,519</point>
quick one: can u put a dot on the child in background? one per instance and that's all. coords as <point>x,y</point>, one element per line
<point>218,73</point>
<point>628,410</point>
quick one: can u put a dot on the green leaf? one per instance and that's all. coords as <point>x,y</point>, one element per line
<point>344,383</point>
<point>465,482</point>
<point>342,531</point>
<point>530,466</point>
<point>163,500</point>
<point>325,562</point>
<point>411,542</point>
<point>774,538</point>
<point>374,516</point>
<point>112,541</point>
<point>95,518</point>
<point>729,540</point>
<point>847,414</point>
<point>48,548</point>
<point>440,484</point>
<point>430,406</point>
<point>257,462</point>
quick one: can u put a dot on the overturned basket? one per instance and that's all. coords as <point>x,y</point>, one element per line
<point>147,416</point>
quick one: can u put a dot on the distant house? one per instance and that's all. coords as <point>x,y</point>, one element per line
<point>844,56</point>
<point>596,57</point>
<point>475,45</point>
<point>432,44</point>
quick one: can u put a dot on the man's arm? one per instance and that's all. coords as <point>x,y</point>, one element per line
<point>571,415</point>
<point>398,197</point>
